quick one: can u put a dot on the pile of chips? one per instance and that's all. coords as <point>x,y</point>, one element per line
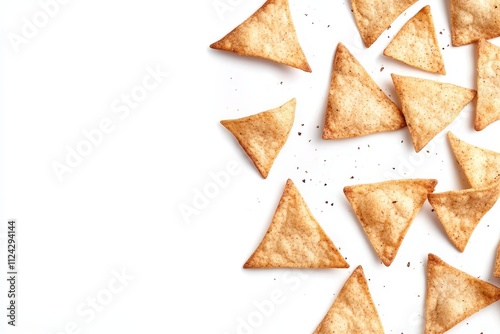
<point>356,107</point>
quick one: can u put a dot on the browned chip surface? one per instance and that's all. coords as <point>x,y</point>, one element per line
<point>263,135</point>
<point>453,296</point>
<point>419,36</point>
<point>429,106</point>
<point>373,17</point>
<point>472,20</point>
<point>488,84</point>
<point>460,211</point>
<point>497,264</point>
<point>386,211</point>
<point>269,33</point>
<point>353,311</point>
<point>356,105</point>
<point>480,166</point>
<point>295,239</point>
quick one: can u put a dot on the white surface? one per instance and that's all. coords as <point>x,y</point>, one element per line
<point>120,207</point>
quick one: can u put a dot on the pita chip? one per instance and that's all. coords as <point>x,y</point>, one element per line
<point>460,211</point>
<point>263,135</point>
<point>453,296</point>
<point>353,311</point>
<point>429,106</point>
<point>419,36</point>
<point>356,105</point>
<point>270,34</point>
<point>295,239</point>
<point>488,84</point>
<point>373,17</point>
<point>497,264</point>
<point>480,166</point>
<point>473,20</point>
<point>386,211</point>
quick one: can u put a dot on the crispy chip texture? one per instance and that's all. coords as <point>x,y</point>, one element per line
<point>295,239</point>
<point>374,16</point>
<point>460,211</point>
<point>353,311</point>
<point>480,166</point>
<point>356,105</point>
<point>269,33</point>
<point>386,211</point>
<point>263,135</point>
<point>488,84</point>
<point>429,106</point>
<point>419,36</point>
<point>473,20</point>
<point>453,296</point>
<point>497,264</point>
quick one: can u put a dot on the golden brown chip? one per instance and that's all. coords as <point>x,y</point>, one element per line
<point>386,211</point>
<point>263,135</point>
<point>497,264</point>
<point>480,166</point>
<point>472,20</point>
<point>488,84</point>
<point>269,33</point>
<point>429,106</point>
<point>453,296</point>
<point>373,17</point>
<point>353,311</point>
<point>419,36</point>
<point>295,239</point>
<point>356,105</point>
<point>460,211</point>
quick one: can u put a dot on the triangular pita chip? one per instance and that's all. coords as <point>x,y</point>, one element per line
<point>419,36</point>
<point>353,311</point>
<point>488,84</point>
<point>453,296</point>
<point>263,135</point>
<point>295,239</point>
<point>373,17</point>
<point>472,20</point>
<point>480,166</point>
<point>356,105</point>
<point>497,264</point>
<point>460,211</point>
<point>269,33</point>
<point>386,211</point>
<point>429,106</point>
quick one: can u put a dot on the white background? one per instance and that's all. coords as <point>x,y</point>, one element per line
<point>119,209</point>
